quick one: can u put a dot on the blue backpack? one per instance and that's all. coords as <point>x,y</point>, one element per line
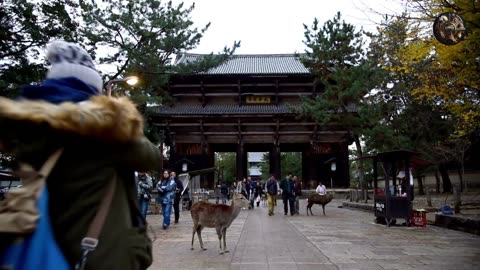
<point>36,247</point>
<point>38,250</point>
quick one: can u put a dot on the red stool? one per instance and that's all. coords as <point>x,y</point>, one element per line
<point>419,218</point>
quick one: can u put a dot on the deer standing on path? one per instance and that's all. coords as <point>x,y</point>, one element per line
<point>318,199</point>
<point>218,216</point>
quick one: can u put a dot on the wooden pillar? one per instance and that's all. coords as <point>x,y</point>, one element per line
<point>241,161</point>
<point>308,168</point>
<point>209,159</point>
<point>275,160</point>
<point>173,152</point>
<point>305,176</point>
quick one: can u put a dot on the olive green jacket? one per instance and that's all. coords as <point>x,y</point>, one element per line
<point>100,137</point>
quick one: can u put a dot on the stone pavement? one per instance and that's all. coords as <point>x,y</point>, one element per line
<point>343,239</point>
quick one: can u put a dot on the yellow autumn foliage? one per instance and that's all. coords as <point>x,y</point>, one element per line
<point>452,77</point>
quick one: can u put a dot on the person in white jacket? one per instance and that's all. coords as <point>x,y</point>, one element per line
<point>321,189</point>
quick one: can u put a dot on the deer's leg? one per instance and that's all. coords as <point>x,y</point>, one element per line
<point>323,206</point>
<point>219,233</point>
<point>193,234</point>
<point>199,233</point>
<point>310,208</point>
<point>224,232</point>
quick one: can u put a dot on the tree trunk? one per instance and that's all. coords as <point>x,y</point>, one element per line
<point>361,176</point>
<point>447,184</point>
<point>420,185</point>
<point>460,176</point>
<point>457,199</point>
<point>437,182</point>
<point>429,197</point>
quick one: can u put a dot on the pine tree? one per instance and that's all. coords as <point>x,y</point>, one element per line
<point>25,28</point>
<point>336,56</point>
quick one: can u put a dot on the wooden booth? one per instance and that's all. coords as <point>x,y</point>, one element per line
<point>393,186</point>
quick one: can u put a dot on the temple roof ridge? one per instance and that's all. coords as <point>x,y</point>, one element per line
<point>252,64</point>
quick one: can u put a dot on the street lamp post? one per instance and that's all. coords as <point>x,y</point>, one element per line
<point>131,80</point>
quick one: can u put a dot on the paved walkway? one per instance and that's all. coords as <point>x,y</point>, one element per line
<point>343,239</point>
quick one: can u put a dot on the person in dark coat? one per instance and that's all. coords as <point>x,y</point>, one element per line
<point>102,139</point>
<point>178,196</point>
<point>258,193</point>
<point>297,189</point>
<point>288,195</point>
<point>271,188</point>
<point>144,191</point>
<point>224,192</point>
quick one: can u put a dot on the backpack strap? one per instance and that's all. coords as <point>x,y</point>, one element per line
<point>38,178</point>
<point>90,241</point>
<point>18,211</point>
<point>49,164</point>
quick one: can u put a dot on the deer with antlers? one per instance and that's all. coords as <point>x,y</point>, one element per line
<point>218,216</point>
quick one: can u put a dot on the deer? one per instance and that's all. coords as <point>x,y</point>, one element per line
<point>218,216</point>
<point>318,199</point>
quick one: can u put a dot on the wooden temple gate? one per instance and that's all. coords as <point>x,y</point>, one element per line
<point>245,105</point>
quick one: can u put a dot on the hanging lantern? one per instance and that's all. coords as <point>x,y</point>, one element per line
<point>333,166</point>
<point>184,167</point>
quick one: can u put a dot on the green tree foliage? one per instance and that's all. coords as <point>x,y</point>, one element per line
<point>265,166</point>
<point>143,38</point>
<point>227,163</point>
<point>290,162</point>
<point>335,54</point>
<point>436,86</point>
<point>399,125</point>
<point>25,28</point>
<point>451,80</point>
<point>138,37</point>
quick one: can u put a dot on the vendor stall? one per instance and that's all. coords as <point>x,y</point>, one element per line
<point>393,193</point>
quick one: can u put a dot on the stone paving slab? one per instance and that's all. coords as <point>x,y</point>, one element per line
<point>343,239</point>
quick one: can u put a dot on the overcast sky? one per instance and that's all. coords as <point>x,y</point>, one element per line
<point>275,26</point>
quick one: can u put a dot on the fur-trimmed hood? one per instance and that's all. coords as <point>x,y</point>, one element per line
<point>101,116</point>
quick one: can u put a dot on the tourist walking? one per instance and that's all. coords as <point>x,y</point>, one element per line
<point>288,195</point>
<point>144,191</point>
<point>271,189</point>
<point>166,195</point>
<point>251,188</point>
<point>178,196</point>
<point>258,193</point>
<point>224,192</point>
<point>297,190</point>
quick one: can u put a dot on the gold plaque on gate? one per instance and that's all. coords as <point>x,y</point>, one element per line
<point>258,99</point>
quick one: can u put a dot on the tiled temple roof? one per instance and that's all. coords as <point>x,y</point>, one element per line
<point>221,109</point>
<point>228,109</point>
<point>253,64</point>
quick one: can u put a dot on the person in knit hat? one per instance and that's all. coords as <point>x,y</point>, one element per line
<point>102,141</point>
<point>71,77</point>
